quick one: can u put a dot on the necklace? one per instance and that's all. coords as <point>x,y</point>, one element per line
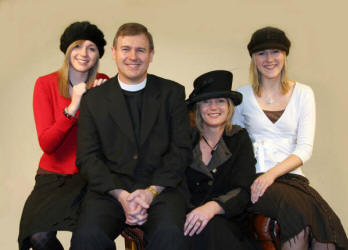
<point>211,148</point>
<point>269,100</point>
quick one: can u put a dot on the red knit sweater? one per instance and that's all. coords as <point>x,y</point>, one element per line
<point>57,134</point>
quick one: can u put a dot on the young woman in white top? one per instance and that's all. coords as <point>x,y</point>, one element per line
<point>279,115</point>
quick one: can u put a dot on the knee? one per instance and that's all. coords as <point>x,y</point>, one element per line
<point>219,227</point>
<point>168,231</point>
<point>87,233</point>
<point>45,240</point>
<point>304,234</point>
<point>169,237</point>
<point>299,241</point>
<point>91,238</point>
<point>39,238</point>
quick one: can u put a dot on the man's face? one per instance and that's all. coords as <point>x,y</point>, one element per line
<point>132,56</point>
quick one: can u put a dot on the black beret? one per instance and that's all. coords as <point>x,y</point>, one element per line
<point>268,38</point>
<point>82,31</point>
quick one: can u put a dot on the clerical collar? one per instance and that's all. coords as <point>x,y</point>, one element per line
<point>132,87</point>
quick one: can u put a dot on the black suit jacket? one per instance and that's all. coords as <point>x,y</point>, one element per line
<point>108,156</point>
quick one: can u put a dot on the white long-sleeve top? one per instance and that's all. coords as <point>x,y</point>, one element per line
<point>293,133</point>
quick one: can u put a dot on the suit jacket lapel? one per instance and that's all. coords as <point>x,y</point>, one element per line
<point>150,108</point>
<point>118,109</point>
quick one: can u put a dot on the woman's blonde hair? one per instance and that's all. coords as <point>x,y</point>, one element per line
<point>255,76</point>
<point>63,72</point>
<point>228,123</point>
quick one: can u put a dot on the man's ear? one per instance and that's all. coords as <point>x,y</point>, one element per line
<point>152,53</point>
<point>113,52</point>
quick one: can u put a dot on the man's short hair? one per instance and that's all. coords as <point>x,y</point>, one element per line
<point>133,29</point>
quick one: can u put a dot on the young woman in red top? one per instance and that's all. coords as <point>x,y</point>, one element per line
<point>54,202</point>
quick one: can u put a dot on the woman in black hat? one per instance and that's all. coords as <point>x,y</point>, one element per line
<point>54,201</point>
<point>222,170</point>
<point>279,115</point>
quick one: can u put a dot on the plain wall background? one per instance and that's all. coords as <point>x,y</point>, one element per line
<point>191,37</point>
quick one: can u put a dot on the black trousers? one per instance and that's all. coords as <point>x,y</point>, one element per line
<point>102,220</point>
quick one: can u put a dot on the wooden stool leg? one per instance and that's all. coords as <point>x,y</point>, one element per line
<point>129,244</point>
<point>133,238</point>
<point>265,230</point>
<point>261,227</point>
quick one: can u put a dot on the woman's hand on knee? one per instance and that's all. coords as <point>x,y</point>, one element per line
<point>198,218</point>
<point>260,185</point>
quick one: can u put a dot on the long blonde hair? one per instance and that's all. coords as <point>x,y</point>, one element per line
<point>228,123</point>
<point>255,76</point>
<point>63,72</point>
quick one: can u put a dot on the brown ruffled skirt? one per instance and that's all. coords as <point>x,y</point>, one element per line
<point>295,205</point>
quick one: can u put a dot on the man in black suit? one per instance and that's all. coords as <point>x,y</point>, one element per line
<point>133,149</point>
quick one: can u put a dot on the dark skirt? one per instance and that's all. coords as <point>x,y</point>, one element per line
<point>221,234</point>
<point>53,205</point>
<point>295,205</point>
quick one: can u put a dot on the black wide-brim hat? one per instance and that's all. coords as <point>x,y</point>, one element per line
<point>214,84</point>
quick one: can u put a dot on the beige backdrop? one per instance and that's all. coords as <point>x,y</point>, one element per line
<point>191,37</point>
